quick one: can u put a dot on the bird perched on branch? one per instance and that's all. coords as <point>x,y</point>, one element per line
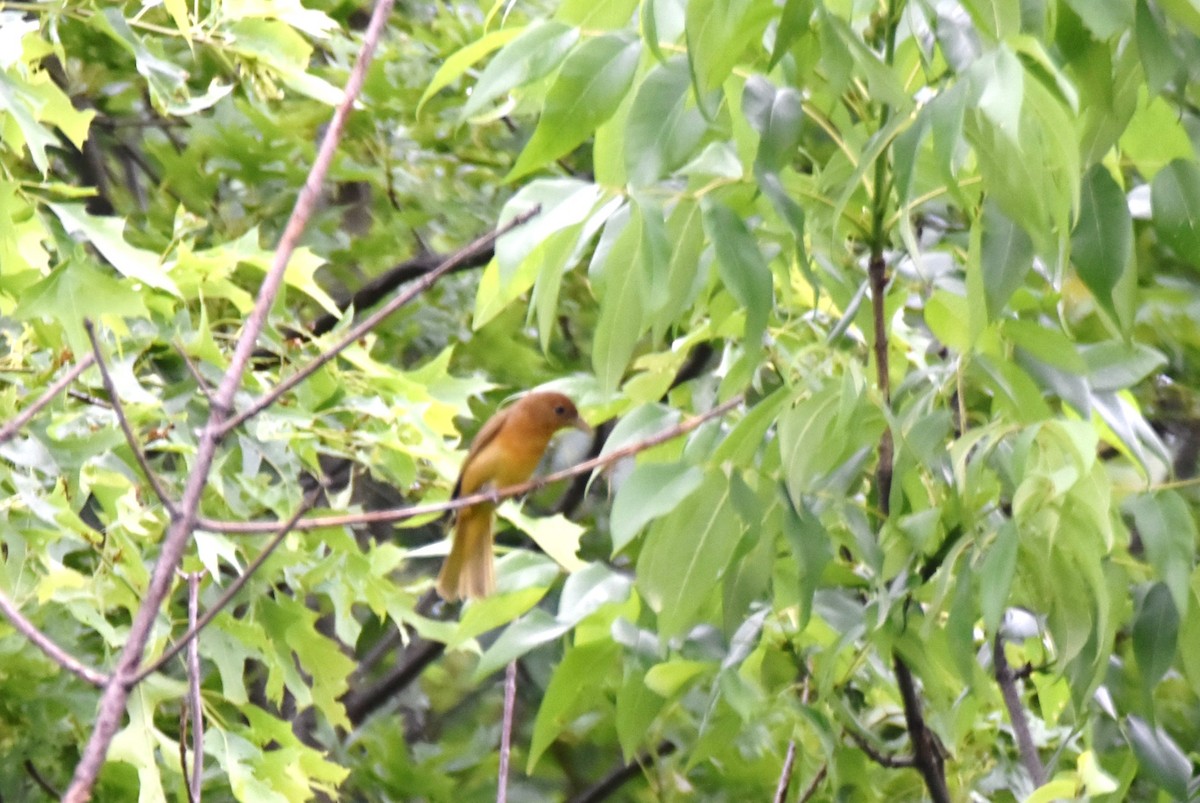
<point>504,453</point>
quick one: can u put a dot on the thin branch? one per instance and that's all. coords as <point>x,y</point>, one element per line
<point>883,760</point>
<point>183,763</point>
<point>374,319</point>
<point>510,700</point>
<point>195,372</point>
<point>112,702</point>
<point>785,775</point>
<point>25,416</point>
<point>375,290</point>
<point>193,660</point>
<point>1006,680</point>
<point>119,411</point>
<point>610,783</point>
<point>45,644</point>
<point>815,784</point>
<point>87,398</point>
<point>413,511</point>
<point>927,753</point>
<point>41,781</point>
<point>420,654</point>
<point>189,638</point>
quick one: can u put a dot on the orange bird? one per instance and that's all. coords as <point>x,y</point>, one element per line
<point>504,453</point>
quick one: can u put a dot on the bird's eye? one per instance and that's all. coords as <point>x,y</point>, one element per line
<point>560,410</point>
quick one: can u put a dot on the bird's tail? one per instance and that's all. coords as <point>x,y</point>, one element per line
<point>469,571</point>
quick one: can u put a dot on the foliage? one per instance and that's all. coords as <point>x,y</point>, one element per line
<point>1010,461</point>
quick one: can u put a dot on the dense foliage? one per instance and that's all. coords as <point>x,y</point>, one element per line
<point>944,250</point>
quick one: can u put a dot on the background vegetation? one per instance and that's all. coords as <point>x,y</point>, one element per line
<point>939,256</point>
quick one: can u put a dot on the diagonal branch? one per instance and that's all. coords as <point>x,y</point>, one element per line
<point>189,638</point>
<point>119,412</point>
<point>1006,679</point>
<point>116,692</point>
<point>510,701</point>
<point>25,416</point>
<point>196,703</point>
<point>45,644</point>
<point>464,254</point>
<point>413,511</point>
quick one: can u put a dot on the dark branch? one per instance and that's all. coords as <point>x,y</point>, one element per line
<point>420,654</point>
<point>622,775</point>
<point>1006,680</point>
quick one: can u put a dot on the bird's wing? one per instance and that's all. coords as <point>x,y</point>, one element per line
<point>486,435</point>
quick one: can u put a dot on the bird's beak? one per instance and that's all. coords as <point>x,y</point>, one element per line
<point>581,425</point>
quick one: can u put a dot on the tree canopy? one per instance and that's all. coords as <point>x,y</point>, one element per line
<point>887,312</point>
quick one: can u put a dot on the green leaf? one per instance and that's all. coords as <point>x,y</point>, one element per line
<point>620,278</point>
<point>539,49</point>
<point>664,127</point>
<point>1102,242</point>
<point>811,548</point>
<point>1161,759</point>
<point>107,235</point>
<point>1006,256</point>
<point>686,553</point>
<point>1175,203</point>
<point>996,575</point>
<point>776,114</point>
<point>719,32</point>
<point>670,677</point>
<point>555,535</point>
<point>1115,365</point>
<point>573,688</point>
<point>589,87</point>
<point>593,15</point>
<point>637,708</point>
<point>1168,531</point>
<point>1104,18</point>
<point>742,268</point>
<point>650,491</point>
<point>999,90</point>
<point>1155,633</point>
<point>1157,53</point>
<point>464,58</point>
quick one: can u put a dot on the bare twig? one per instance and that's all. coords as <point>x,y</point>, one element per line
<point>116,693</point>
<point>45,644</point>
<point>41,781</point>
<point>374,319</point>
<point>419,655</point>
<point>510,700</point>
<point>194,628</point>
<point>195,372</point>
<point>610,783</point>
<point>927,753</point>
<point>87,398</point>
<point>193,660</point>
<point>119,411</point>
<point>413,511</point>
<point>815,784</point>
<point>25,416</point>
<point>183,762</point>
<point>882,759</point>
<point>785,775</point>
<point>1006,679</point>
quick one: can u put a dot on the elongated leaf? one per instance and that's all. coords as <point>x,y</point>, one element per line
<point>651,490</point>
<point>719,32</point>
<point>589,87</point>
<point>1168,532</point>
<point>1175,202</point>
<point>1155,632</point>
<point>664,127</point>
<point>1006,256</point>
<point>743,270</point>
<point>573,688</point>
<point>463,59</point>
<point>1102,243</point>
<point>539,49</point>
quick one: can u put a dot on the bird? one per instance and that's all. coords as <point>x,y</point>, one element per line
<point>505,452</point>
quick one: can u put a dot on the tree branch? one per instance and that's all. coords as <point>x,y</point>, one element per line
<point>119,411</point>
<point>9,430</point>
<point>785,775</point>
<point>413,511</point>
<point>44,643</point>
<point>620,776</point>
<point>883,760</point>
<point>927,753</point>
<point>196,704</point>
<point>420,654</point>
<point>189,638</point>
<point>1006,679</point>
<point>375,318</point>
<point>510,700</point>
<point>116,692</point>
